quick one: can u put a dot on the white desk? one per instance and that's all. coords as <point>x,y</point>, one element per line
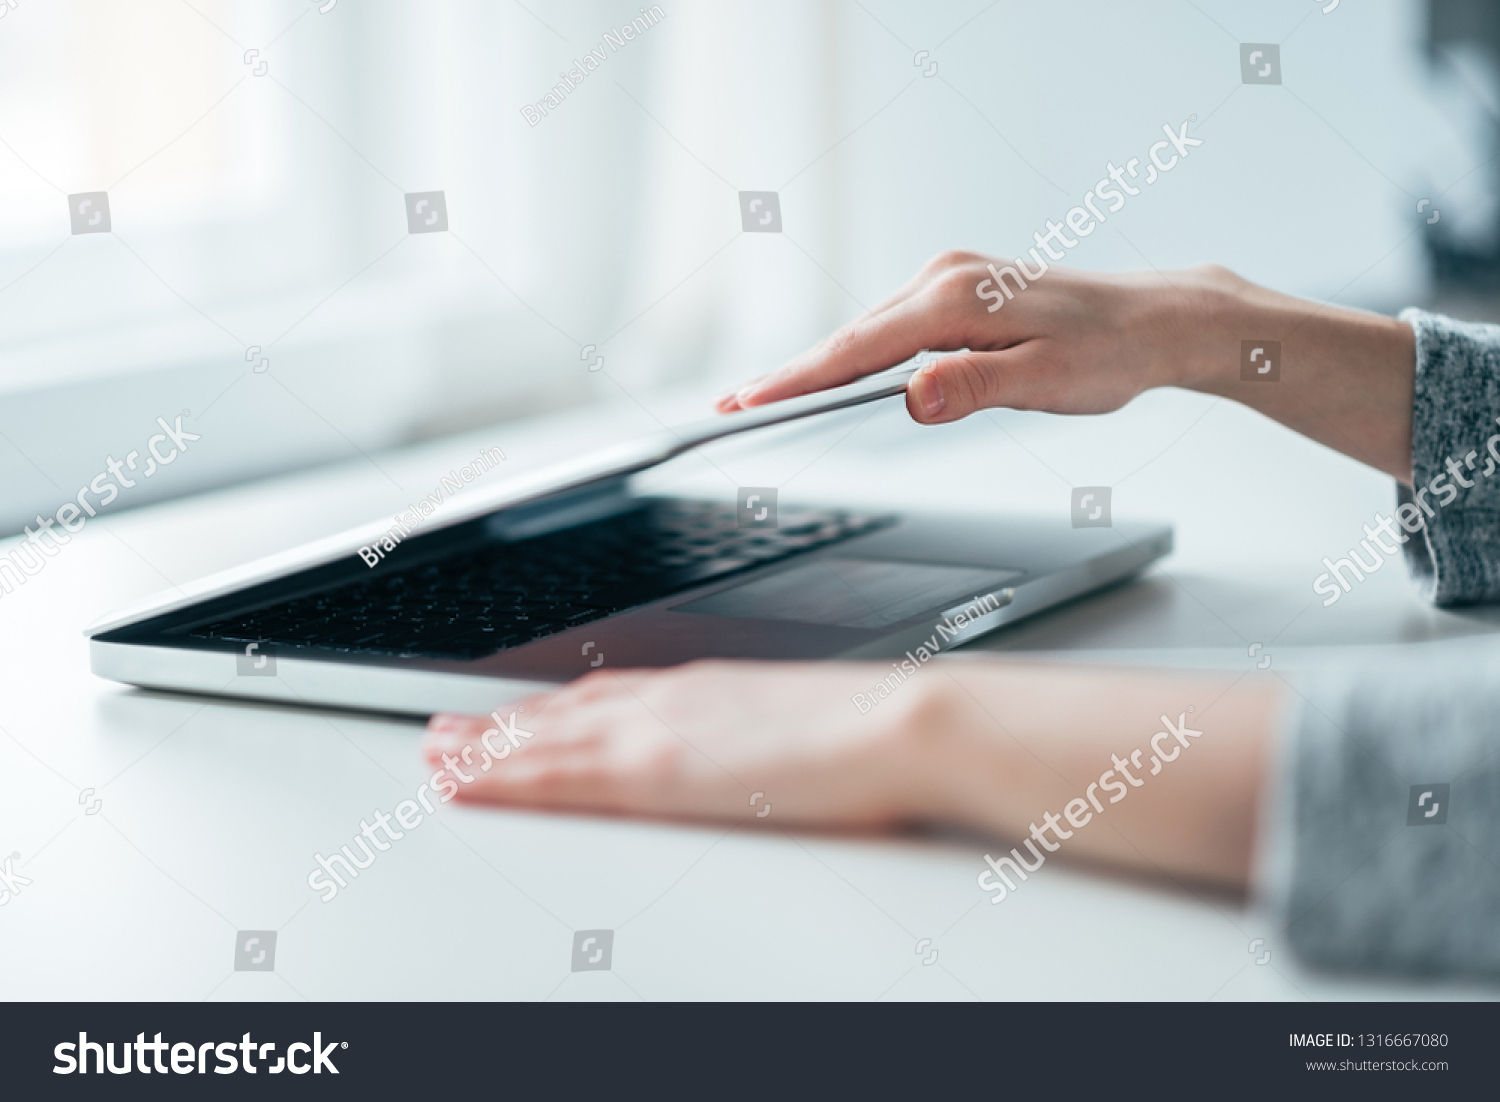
<point>211,811</point>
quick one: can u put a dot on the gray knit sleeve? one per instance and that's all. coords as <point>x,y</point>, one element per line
<point>1455,557</point>
<point>1390,817</point>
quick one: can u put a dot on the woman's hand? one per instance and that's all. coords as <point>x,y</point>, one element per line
<point>781,743</point>
<point>1070,342</point>
<point>1082,342</point>
<point>992,746</point>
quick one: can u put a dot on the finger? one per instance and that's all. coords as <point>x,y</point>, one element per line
<point>730,402</point>
<point>449,732</point>
<point>922,281</point>
<point>952,387</point>
<point>568,782</point>
<point>861,348</point>
<point>484,767</point>
<point>573,772</point>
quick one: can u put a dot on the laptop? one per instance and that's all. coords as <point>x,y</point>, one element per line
<point>574,568</point>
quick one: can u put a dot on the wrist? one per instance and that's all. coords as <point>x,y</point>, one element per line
<point>930,757</point>
<point>1191,319</point>
<point>1340,376</point>
<point>954,768</point>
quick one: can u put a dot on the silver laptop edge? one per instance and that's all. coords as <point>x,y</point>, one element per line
<point>423,692</point>
<point>569,491</point>
<point>570,475</point>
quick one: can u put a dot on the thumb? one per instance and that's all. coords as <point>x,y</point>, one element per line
<point>952,387</point>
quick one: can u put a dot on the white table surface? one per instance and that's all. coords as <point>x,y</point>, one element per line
<point>211,810</point>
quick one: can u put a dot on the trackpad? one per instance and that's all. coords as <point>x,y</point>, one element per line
<point>851,593</point>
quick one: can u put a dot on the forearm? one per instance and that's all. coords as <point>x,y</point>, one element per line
<point>1344,379</point>
<point>1025,740</point>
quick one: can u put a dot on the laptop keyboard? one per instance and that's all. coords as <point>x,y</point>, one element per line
<point>496,596</point>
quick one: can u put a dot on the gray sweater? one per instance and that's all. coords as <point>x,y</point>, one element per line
<point>1383,844</point>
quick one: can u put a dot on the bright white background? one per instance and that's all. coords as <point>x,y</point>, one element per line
<point>267,210</point>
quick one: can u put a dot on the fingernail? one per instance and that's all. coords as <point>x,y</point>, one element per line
<point>445,721</point>
<point>929,394</point>
<point>743,396</point>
